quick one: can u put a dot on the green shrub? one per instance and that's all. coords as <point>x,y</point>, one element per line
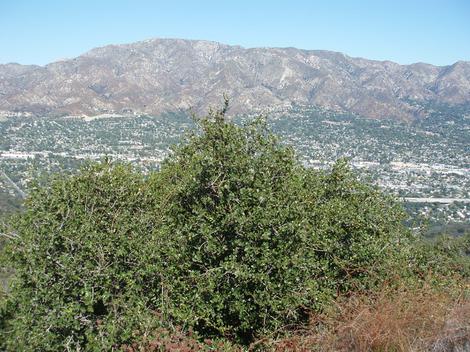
<point>232,237</point>
<point>252,240</point>
<point>82,263</point>
<point>444,256</point>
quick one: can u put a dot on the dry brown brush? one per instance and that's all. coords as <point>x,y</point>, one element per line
<point>423,319</point>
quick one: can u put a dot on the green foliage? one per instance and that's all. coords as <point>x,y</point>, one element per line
<point>445,256</point>
<point>81,261</point>
<point>232,237</point>
<point>254,239</point>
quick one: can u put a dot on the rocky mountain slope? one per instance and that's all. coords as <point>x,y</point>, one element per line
<point>160,75</point>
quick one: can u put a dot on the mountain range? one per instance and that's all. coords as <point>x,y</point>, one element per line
<point>159,75</point>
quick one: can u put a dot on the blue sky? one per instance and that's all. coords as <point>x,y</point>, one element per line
<point>434,31</point>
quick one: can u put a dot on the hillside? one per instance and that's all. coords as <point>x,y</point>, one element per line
<point>159,75</point>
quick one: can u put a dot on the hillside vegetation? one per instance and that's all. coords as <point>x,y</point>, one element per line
<point>231,244</point>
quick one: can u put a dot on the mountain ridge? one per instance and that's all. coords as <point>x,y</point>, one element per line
<point>158,75</point>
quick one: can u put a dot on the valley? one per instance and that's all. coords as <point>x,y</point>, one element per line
<point>425,164</point>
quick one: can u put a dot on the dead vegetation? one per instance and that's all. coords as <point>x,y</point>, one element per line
<point>422,319</point>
